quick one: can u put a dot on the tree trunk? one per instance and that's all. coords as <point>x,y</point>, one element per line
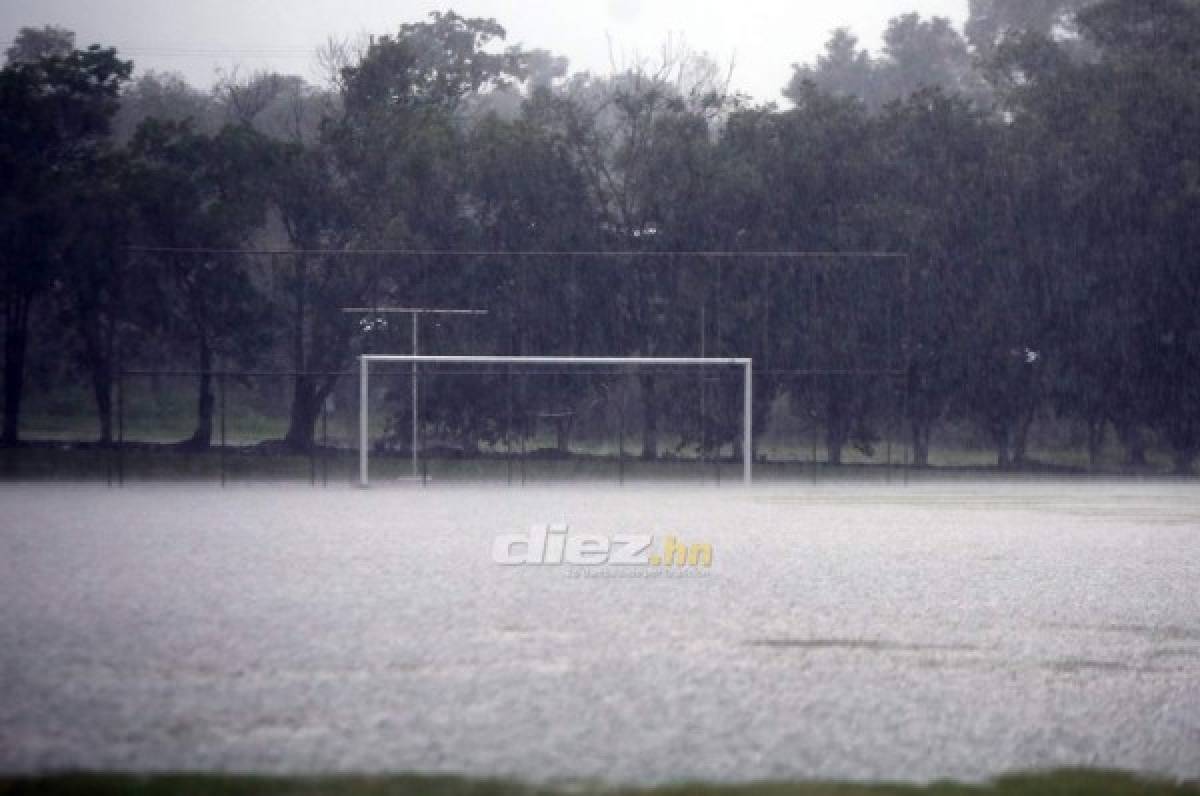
<point>837,427</point>
<point>1020,441</point>
<point>102,384</point>
<point>98,349</point>
<point>16,344</point>
<point>1004,459</point>
<point>306,410</point>
<point>305,406</point>
<point>1134,443</point>
<point>1185,445</point>
<point>1095,442</point>
<point>562,431</point>
<point>835,441</point>
<point>920,442</point>
<point>649,418</point>
<point>201,439</point>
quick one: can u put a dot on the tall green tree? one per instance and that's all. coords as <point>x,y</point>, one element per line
<point>530,196</point>
<point>990,22</point>
<point>936,156</point>
<point>55,116</point>
<point>825,182</point>
<point>1124,116</point>
<point>397,139</point>
<point>311,214</point>
<point>92,292</point>
<point>843,69</point>
<point>206,194</point>
<point>314,286</point>
<point>33,44</point>
<point>396,149</point>
<point>917,54</point>
<point>641,140</point>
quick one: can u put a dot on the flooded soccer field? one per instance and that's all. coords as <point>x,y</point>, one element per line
<point>842,631</point>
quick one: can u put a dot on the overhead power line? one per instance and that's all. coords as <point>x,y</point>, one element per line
<point>793,255</point>
<point>265,52</point>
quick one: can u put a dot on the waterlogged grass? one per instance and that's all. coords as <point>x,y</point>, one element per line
<point>1062,783</point>
<point>162,409</point>
<point>61,461</point>
<point>158,413</point>
<point>55,463</point>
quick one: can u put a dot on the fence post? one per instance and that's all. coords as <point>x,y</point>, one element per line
<point>221,392</point>
<point>325,442</point>
<point>121,427</point>
<point>363,475</point>
<point>748,425</point>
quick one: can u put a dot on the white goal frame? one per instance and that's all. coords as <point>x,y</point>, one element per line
<point>746,364</point>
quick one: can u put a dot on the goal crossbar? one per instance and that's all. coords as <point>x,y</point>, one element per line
<point>745,363</point>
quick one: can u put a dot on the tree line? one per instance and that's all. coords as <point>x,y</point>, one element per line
<point>1039,173</point>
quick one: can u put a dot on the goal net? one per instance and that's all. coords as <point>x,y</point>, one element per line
<point>499,416</point>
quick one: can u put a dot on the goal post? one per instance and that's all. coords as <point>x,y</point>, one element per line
<point>745,364</point>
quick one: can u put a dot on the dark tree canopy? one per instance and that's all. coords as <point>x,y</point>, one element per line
<point>1038,173</point>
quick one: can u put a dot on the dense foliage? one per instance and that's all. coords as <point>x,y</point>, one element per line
<point>1041,175</point>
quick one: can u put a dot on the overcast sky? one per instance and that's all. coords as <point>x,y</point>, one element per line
<point>762,37</point>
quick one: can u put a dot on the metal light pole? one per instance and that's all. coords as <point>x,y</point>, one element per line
<point>416,313</point>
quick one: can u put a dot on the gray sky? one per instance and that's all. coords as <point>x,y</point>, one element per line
<point>762,37</point>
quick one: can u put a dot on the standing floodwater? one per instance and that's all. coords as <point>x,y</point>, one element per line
<point>935,631</point>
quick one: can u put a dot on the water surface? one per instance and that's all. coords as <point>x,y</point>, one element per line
<point>846,632</point>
